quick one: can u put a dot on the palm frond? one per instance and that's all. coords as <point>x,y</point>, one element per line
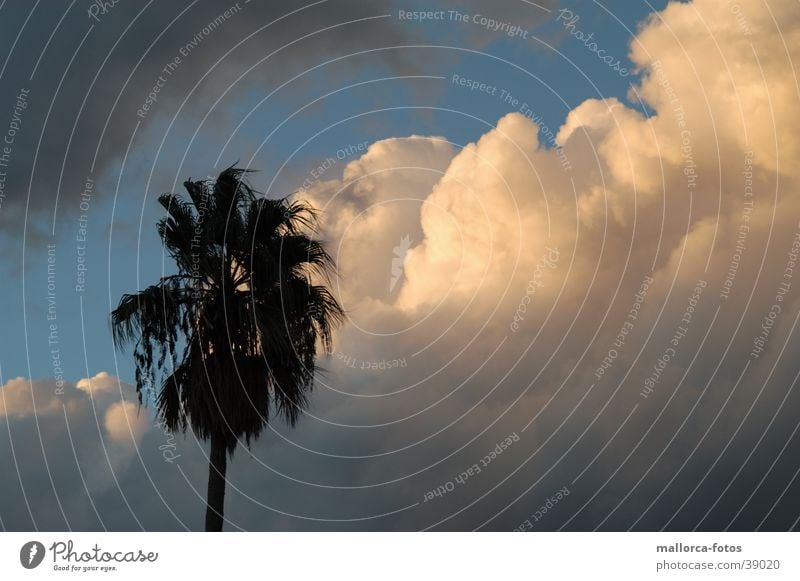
<point>241,322</point>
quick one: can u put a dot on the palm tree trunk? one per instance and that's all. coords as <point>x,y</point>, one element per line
<point>215,499</point>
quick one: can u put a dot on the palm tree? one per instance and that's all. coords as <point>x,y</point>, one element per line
<point>232,337</point>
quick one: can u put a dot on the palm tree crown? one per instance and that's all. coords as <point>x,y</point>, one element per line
<point>231,337</point>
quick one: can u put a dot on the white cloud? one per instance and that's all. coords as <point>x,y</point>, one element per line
<point>125,422</point>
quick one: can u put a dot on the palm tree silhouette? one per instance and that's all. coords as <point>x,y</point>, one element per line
<point>233,336</point>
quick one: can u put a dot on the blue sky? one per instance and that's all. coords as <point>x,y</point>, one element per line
<point>381,105</point>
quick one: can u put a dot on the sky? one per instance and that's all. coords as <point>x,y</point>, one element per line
<point>567,237</point>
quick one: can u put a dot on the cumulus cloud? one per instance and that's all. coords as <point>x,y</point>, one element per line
<point>91,459</point>
<point>665,197</point>
<point>124,423</point>
<point>113,403</point>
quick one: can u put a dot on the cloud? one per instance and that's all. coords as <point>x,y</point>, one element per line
<point>666,197</point>
<point>85,91</point>
<point>103,396</point>
<point>628,318</point>
<point>100,383</point>
<point>83,102</point>
<point>124,423</point>
<point>18,400</point>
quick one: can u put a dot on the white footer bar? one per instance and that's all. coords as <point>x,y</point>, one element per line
<point>402,556</point>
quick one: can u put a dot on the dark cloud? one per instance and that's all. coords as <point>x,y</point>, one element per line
<point>88,71</point>
<point>88,89</point>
